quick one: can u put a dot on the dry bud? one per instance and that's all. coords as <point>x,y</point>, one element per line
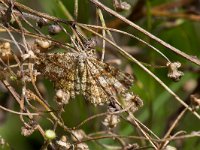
<point>111,121</point>
<point>43,43</point>
<point>54,29</point>
<point>29,55</point>
<point>132,100</point>
<point>63,144</point>
<point>26,75</point>
<point>5,48</point>
<point>28,129</point>
<point>173,71</point>
<point>62,97</point>
<point>120,6</point>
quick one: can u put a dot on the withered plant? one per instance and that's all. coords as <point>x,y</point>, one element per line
<point>53,67</point>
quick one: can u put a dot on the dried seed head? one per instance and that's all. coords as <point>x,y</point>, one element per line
<point>132,101</point>
<point>111,121</point>
<point>27,76</point>
<point>63,144</point>
<point>29,128</point>
<point>62,97</point>
<point>29,55</point>
<point>6,45</point>
<point>43,43</point>
<point>120,6</point>
<point>173,71</point>
<point>78,135</point>
<point>54,29</point>
<point>5,48</point>
<point>82,146</point>
<point>25,131</point>
<point>195,100</point>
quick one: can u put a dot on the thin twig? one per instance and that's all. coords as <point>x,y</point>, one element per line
<point>171,128</point>
<point>99,12</point>
<point>128,34</point>
<point>193,59</point>
<point>123,52</point>
<point>18,113</point>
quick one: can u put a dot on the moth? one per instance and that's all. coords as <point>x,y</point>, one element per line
<point>82,73</point>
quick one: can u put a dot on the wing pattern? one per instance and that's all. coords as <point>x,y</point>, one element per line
<point>80,73</point>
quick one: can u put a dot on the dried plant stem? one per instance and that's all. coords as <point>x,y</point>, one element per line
<point>17,98</point>
<point>103,32</point>
<point>135,123</point>
<point>161,13</point>
<point>146,70</point>
<point>93,136</point>
<point>37,36</point>
<point>171,128</point>
<point>128,34</point>
<point>168,46</point>
<point>103,114</point>
<point>67,13</point>
<point>35,97</point>
<point>76,9</point>
<point>34,12</point>
<point>18,113</point>
<point>11,90</point>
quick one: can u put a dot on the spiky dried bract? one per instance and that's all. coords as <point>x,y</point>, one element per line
<point>81,73</point>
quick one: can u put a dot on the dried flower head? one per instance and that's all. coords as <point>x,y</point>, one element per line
<point>133,102</point>
<point>5,48</point>
<point>62,97</point>
<point>28,75</point>
<point>111,121</point>
<point>29,55</point>
<point>43,43</point>
<point>120,6</point>
<point>54,29</point>
<point>29,128</point>
<point>82,146</point>
<point>173,71</point>
<point>63,144</point>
